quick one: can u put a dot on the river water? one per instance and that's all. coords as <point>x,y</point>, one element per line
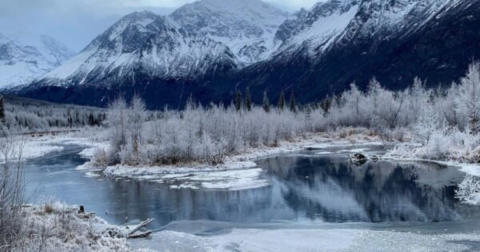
<point>309,187</point>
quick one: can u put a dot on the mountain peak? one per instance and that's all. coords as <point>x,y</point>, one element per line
<point>237,5</point>
<point>226,18</point>
<point>138,15</point>
<point>25,56</point>
<point>247,27</point>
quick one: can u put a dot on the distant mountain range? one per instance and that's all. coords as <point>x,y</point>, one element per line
<point>26,56</point>
<point>210,48</point>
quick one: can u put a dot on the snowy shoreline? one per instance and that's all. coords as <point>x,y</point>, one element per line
<point>238,172</point>
<point>58,227</point>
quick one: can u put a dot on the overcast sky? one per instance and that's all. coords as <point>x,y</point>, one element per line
<point>77,22</point>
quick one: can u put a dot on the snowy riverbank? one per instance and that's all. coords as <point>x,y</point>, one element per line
<point>34,147</point>
<point>57,227</point>
<point>236,173</point>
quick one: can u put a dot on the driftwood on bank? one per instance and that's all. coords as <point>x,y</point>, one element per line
<point>132,234</point>
<point>140,235</point>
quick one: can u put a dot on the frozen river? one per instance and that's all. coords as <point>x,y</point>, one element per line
<point>314,191</point>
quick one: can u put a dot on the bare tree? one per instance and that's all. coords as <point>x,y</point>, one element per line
<point>11,190</point>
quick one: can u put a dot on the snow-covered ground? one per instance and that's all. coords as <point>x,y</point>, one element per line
<point>468,168</point>
<point>312,240</point>
<point>57,227</point>
<point>34,147</point>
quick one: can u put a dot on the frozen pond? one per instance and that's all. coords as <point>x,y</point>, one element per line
<point>311,188</point>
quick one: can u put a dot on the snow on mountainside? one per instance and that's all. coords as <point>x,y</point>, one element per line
<point>147,43</point>
<point>318,27</point>
<point>212,47</point>
<point>347,22</point>
<point>343,41</point>
<point>247,27</point>
<point>26,56</point>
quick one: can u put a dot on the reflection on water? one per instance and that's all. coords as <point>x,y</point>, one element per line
<point>332,190</point>
<point>323,188</point>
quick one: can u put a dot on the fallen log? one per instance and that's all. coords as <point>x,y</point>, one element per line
<point>141,225</point>
<point>86,216</point>
<point>141,235</point>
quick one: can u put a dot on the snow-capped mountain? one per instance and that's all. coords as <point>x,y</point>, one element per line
<point>317,29</point>
<point>247,27</point>
<point>143,43</point>
<point>343,41</point>
<point>26,56</point>
<point>198,39</point>
<point>211,47</point>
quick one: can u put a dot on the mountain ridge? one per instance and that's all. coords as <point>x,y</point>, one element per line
<point>313,52</point>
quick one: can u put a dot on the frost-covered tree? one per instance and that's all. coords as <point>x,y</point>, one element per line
<point>118,121</point>
<point>418,97</point>
<point>355,103</point>
<point>451,108</point>
<point>468,100</point>
<point>374,95</point>
<point>469,190</point>
<point>136,118</point>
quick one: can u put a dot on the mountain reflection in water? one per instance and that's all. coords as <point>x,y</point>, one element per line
<point>332,190</point>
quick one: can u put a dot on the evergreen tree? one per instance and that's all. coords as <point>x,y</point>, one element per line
<point>238,100</point>
<point>248,99</point>
<point>293,105</point>
<point>91,120</point>
<point>2,110</point>
<point>281,101</point>
<point>266,102</point>
<point>326,104</point>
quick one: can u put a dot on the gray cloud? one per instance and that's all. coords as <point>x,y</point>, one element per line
<point>77,22</point>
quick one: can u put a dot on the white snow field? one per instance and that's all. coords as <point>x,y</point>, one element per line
<point>310,240</point>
